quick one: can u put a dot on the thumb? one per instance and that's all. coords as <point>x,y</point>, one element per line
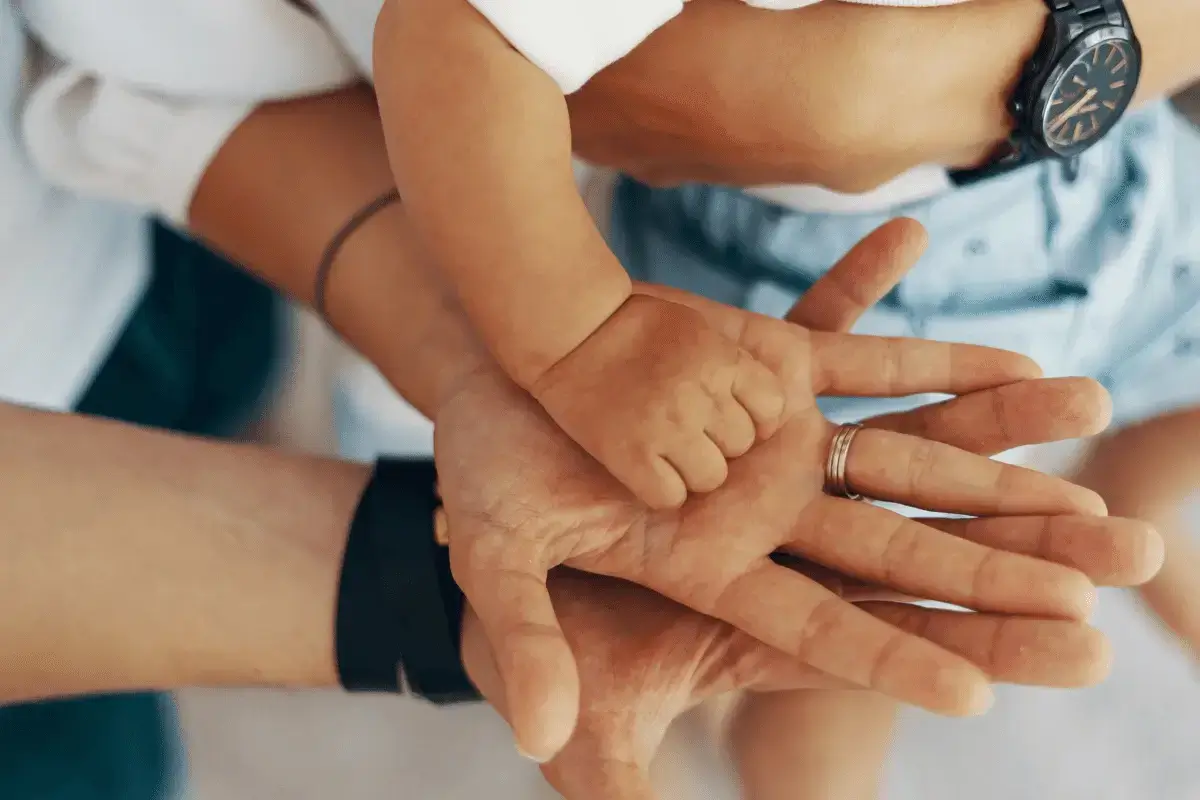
<point>530,654</point>
<point>595,767</point>
<point>861,279</point>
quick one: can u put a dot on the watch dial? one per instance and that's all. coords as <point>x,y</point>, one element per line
<point>1090,96</point>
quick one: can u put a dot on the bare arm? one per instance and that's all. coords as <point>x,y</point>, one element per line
<point>132,559</point>
<point>284,183</point>
<point>840,95</point>
<point>480,142</point>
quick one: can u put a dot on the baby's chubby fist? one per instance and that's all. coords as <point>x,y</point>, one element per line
<point>662,400</point>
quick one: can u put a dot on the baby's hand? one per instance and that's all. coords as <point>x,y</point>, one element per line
<point>662,400</point>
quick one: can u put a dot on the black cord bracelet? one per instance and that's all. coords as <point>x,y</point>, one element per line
<point>325,265</point>
<point>399,614</point>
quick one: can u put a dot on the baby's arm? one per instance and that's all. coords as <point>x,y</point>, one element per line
<point>480,142</point>
<point>479,139</point>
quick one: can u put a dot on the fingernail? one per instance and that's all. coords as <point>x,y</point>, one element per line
<point>528,757</point>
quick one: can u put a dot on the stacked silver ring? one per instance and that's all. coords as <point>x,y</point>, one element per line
<point>835,466</point>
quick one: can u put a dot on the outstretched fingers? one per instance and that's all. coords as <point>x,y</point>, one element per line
<point>1035,652</point>
<point>881,547</point>
<point>1110,551</point>
<point>801,618</point>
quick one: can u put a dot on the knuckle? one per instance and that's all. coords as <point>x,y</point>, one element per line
<point>882,660</point>
<point>921,464</point>
<point>899,548</point>
<point>821,626</point>
<point>983,576</point>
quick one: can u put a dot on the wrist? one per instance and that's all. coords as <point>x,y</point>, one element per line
<point>949,105</point>
<point>283,593</point>
<point>975,120</point>
<point>397,312</point>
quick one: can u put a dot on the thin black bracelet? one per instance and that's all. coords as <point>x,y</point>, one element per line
<point>325,265</point>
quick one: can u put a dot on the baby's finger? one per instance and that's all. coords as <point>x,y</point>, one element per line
<point>760,392</point>
<point>651,478</point>
<point>539,673</point>
<point>731,428</point>
<point>699,462</point>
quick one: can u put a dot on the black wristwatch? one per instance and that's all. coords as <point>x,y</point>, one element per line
<point>1073,91</point>
<point>399,612</point>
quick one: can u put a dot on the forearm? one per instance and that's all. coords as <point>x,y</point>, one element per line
<point>1167,30</point>
<point>480,143</point>
<point>275,195</point>
<point>840,95</point>
<point>141,560</point>
<point>976,52</point>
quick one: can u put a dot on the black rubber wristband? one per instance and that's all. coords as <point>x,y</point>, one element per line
<point>399,615</point>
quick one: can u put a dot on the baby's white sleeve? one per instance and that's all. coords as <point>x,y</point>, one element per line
<point>572,40</point>
<point>130,103</point>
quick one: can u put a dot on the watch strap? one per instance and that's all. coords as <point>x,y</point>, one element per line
<point>1076,17</point>
<point>1091,12</point>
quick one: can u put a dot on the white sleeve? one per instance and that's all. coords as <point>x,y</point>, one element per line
<point>132,101</point>
<point>572,40</point>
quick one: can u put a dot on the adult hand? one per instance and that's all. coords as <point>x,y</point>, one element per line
<point>866,720</point>
<point>835,94</point>
<point>521,498</point>
<point>644,660</point>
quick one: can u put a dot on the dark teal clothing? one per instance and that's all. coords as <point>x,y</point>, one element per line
<point>196,356</point>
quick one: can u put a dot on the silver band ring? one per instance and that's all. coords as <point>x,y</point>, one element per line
<point>835,466</point>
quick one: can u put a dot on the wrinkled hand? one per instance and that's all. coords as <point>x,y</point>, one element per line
<point>522,498</point>
<point>644,660</point>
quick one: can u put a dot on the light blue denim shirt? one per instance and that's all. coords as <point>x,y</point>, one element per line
<point>1095,273</point>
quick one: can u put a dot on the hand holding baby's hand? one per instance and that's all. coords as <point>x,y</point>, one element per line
<point>662,399</point>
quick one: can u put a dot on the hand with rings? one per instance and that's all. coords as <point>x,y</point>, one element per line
<point>521,499</point>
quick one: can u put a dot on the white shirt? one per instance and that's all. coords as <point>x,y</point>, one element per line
<point>71,270</point>
<point>143,94</point>
<point>135,111</point>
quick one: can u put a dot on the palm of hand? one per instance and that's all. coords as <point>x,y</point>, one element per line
<point>521,498</point>
<point>644,661</point>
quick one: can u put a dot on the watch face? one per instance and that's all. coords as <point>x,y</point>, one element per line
<point>1089,93</point>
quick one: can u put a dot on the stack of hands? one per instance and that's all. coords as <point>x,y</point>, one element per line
<point>597,621</point>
